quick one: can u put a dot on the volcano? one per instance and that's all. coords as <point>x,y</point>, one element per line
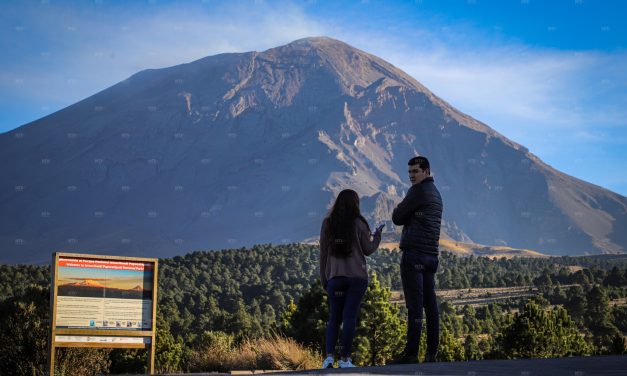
<point>246,148</point>
<point>87,283</point>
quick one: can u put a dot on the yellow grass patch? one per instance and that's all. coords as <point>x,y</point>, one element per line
<point>467,249</point>
<point>274,353</point>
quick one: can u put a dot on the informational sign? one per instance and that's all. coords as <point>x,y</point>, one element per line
<point>104,294</point>
<point>103,301</point>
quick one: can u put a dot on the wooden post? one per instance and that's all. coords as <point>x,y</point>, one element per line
<point>153,339</point>
<point>51,355</point>
<point>53,314</point>
<point>151,359</point>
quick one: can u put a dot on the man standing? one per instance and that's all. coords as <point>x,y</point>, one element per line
<point>420,214</point>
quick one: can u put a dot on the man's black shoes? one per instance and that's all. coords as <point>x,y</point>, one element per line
<point>412,359</point>
<point>405,359</point>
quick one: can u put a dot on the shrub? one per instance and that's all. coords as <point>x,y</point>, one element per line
<point>24,329</point>
<point>218,354</point>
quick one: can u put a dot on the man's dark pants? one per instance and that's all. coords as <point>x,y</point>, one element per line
<point>418,277</point>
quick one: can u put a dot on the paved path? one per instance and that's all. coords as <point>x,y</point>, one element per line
<point>613,365</point>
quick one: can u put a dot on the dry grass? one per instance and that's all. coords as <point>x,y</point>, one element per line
<point>460,249</point>
<point>467,249</point>
<point>574,268</point>
<point>274,353</point>
<point>389,246</point>
<point>492,251</point>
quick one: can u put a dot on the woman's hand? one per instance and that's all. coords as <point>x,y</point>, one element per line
<point>379,229</point>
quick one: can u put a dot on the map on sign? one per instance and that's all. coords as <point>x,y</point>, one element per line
<point>104,294</point>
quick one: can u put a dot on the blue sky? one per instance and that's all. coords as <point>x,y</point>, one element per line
<point>551,75</point>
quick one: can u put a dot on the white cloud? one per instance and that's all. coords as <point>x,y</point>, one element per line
<point>91,51</point>
<point>545,100</point>
<point>536,87</point>
<point>559,104</point>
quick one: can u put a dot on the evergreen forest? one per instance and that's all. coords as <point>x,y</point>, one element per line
<point>231,301</point>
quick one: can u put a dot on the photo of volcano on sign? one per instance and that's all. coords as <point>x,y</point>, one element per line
<point>103,283</point>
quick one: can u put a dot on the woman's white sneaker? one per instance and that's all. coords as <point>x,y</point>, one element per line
<point>346,363</point>
<point>328,362</point>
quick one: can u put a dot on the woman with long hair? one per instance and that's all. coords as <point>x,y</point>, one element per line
<point>345,240</point>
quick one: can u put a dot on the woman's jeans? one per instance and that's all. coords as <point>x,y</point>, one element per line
<point>345,295</point>
<point>418,277</point>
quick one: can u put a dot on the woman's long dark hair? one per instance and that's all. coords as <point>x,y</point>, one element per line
<point>342,223</point>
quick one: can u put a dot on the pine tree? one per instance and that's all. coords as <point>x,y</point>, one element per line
<point>308,323</point>
<point>616,277</point>
<point>539,333</point>
<point>471,348</point>
<point>470,319</point>
<point>380,332</point>
<point>619,345</point>
<point>598,305</point>
<point>286,317</point>
<point>576,303</point>
<point>450,349</point>
<point>169,351</point>
<point>599,320</point>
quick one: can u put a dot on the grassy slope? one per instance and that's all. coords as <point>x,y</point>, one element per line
<point>467,249</point>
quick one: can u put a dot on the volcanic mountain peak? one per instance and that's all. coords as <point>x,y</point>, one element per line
<point>247,148</point>
<point>352,68</point>
<point>88,283</point>
<point>314,65</point>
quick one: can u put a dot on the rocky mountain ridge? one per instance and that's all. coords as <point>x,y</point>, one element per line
<point>237,149</point>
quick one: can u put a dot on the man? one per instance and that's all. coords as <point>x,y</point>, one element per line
<point>420,214</point>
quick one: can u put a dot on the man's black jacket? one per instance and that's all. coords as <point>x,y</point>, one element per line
<point>420,214</point>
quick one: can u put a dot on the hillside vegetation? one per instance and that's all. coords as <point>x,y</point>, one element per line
<point>226,300</point>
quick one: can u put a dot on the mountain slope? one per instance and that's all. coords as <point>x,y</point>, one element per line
<point>237,149</point>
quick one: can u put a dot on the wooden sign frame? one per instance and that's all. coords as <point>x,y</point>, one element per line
<point>128,339</point>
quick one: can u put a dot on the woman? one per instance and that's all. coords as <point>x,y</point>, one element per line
<point>344,243</point>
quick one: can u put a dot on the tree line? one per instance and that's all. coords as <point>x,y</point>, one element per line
<point>240,294</point>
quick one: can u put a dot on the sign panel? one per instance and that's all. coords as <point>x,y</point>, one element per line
<point>104,294</point>
<point>100,301</point>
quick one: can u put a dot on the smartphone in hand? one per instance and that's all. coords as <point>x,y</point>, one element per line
<point>380,227</point>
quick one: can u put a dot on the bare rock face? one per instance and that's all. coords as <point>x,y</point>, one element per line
<point>237,149</point>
